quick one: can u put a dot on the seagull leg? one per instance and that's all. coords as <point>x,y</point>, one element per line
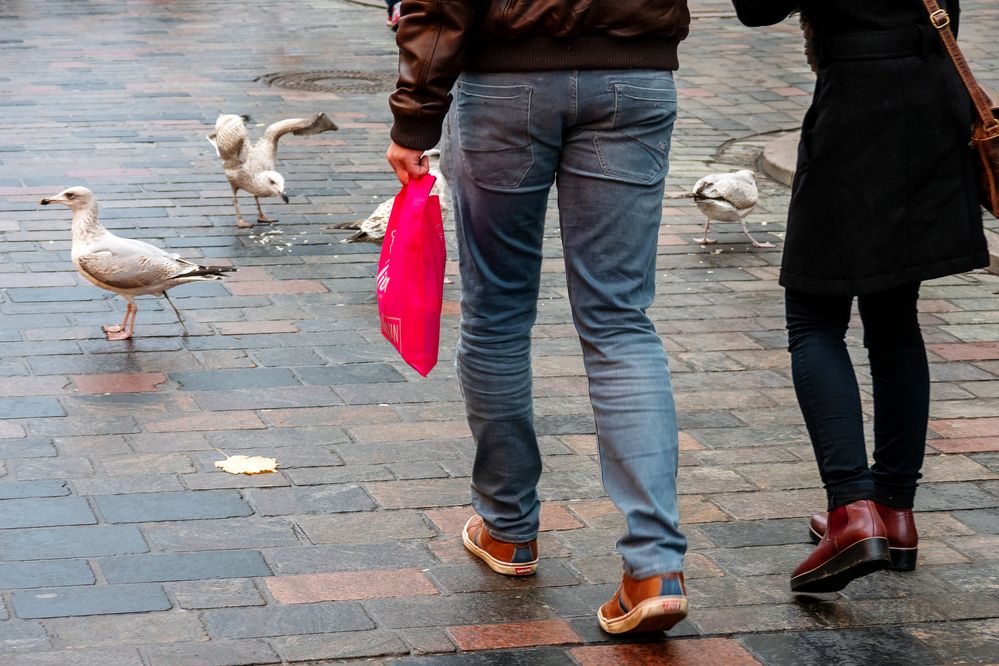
<point>179,318</point>
<point>123,331</point>
<point>755,242</point>
<point>704,240</point>
<point>261,217</point>
<point>240,222</point>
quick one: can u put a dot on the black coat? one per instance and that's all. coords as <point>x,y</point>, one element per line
<point>885,191</point>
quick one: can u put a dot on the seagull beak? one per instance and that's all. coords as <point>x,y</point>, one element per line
<point>45,202</point>
<point>284,197</point>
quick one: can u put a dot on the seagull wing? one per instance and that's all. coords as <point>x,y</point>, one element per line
<point>229,139</point>
<point>299,126</point>
<point>133,272</point>
<point>739,193</point>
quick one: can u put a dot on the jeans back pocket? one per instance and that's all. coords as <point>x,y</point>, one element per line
<point>636,148</point>
<point>494,132</point>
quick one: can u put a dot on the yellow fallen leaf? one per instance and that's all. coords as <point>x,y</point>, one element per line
<point>246,464</point>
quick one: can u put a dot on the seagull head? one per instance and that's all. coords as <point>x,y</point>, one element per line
<point>273,184</point>
<point>72,197</point>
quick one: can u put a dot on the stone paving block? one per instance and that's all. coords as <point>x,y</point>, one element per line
<point>697,650</point>
<point>270,398</point>
<point>90,600</point>
<point>17,575</point>
<point>214,593</point>
<point>147,463</point>
<point>20,635</point>
<point>743,533</point>
<point>19,489</point>
<point>476,577</point>
<point>354,373</point>
<point>51,468</point>
<point>9,430</point>
<point>419,494</point>
<point>967,642</point>
<point>28,408</point>
<point>131,629</point>
<point>358,527</point>
<point>350,645</point>
<point>234,378</point>
<point>953,496</point>
<point>123,485</point>
<point>186,566</point>
<point>980,520</point>
<point>552,656</point>
<point>477,608</point>
<point>239,420</point>
<point>772,504</point>
<point>350,557</point>
<point>225,534</point>
<point>317,618</point>
<point>60,542</point>
<point>106,657</point>
<point>512,635</point>
<point>349,586</point>
<point>213,653</point>
<point>879,647</point>
<point>427,640</point>
<point>310,499</point>
<point>184,505</point>
<point>753,619</point>
<point>119,383</point>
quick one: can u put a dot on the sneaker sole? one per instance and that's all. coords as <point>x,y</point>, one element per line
<point>858,560</point>
<point>655,614</point>
<point>902,559</point>
<point>500,567</point>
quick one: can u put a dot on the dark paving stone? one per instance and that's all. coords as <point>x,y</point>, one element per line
<point>27,447</point>
<point>125,656</point>
<point>14,575</point>
<point>532,657</point>
<point>19,489</point>
<point>221,534</point>
<point>270,398</point>
<point>187,566</point>
<point>456,609</point>
<point>30,408</point>
<point>313,499</point>
<point>867,647</point>
<point>234,378</point>
<point>476,577</point>
<point>982,577</point>
<point>985,521</point>
<point>760,560</point>
<point>575,600</point>
<point>18,636</point>
<point>741,533</point>
<point>318,618</point>
<point>127,628</point>
<point>92,600</point>
<point>63,467</point>
<point>213,653</point>
<point>953,496</point>
<point>350,557</point>
<point>960,642</point>
<point>357,373</point>
<point>346,645</point>
<point>565,424</point>
<point>58,542</point>
<point>45,512</point>
<point>189,505</point>
<point>215,593</point>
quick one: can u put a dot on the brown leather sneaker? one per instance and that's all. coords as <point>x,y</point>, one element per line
<point>903,540</point>
<point>648,604</point>
<point>509,559</point>
<point>855,544</point>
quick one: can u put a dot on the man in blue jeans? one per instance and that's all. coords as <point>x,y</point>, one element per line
<point>578,93</point>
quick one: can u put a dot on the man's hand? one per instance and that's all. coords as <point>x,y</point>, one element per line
<point>406,162</point>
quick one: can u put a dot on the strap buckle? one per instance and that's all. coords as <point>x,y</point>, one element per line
<point>940,19</point>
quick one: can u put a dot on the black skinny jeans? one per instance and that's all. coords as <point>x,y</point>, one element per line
<point>827,391</point>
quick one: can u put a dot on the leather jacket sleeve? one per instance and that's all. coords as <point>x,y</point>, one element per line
<point>763,12</point>
<point>432,38</point>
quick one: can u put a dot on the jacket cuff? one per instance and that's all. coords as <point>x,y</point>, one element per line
<point>416,133</point>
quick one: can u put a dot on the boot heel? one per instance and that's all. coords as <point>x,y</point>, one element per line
<point>903,559</point>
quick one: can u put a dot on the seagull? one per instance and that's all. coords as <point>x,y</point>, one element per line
<point>726,197</point>
<point>372,229</point>
<point>251,167</point>
<point>127,267</point>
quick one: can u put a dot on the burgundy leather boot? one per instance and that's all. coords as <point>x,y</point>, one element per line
<point>855,544</point>
<point>903,540</point>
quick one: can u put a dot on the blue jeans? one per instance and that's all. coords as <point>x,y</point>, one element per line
<point>603,137</point>
<point>827,391</point>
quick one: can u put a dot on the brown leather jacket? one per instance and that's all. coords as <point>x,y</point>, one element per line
<point>438,39</point>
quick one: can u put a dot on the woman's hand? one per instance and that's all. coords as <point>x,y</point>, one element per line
<point>406,162</point>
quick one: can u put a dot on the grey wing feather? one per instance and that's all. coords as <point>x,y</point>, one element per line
<point>300,126</point>
<point>229,137</point>
<point>133,271</point>
<point>737,192</point>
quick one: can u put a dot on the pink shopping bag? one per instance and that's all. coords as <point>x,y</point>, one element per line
<point>410,282</point>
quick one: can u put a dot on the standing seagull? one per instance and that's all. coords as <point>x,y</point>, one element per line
<point>726,197</point>
<point>127,267</point>
<point>372,229</point>
<point>251,167</point>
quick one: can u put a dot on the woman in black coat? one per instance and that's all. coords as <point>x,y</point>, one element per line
<point>884,197</point>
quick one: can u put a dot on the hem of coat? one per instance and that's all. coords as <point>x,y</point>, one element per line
<point>417,133</point>
<point>586,52</point>
<point>876,283</point>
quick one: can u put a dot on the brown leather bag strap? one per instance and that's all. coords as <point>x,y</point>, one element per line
<point>941,21</point>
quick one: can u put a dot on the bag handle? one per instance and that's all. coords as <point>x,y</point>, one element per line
<point>940,20</point>
<point>417,190</point>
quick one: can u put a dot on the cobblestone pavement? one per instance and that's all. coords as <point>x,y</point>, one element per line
<point>120,543</point>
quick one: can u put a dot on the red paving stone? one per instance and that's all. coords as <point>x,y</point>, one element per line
<point>271,287</point>
<point>255,327</point>
<point>966,351</point>
<point>140,382</point>
<point>966,445</point>
<point>966,428</point>
<point>513,635</point>
<point>554,517</point>
<point>707,651</point>
<point>351,585</point>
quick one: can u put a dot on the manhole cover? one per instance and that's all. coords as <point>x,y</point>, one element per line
<point>332,80</point>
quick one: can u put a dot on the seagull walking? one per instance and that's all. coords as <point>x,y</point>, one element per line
<point>125,266</point>
<point>726,197</point>
<point>372,229</point>
<point>252,167</point>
